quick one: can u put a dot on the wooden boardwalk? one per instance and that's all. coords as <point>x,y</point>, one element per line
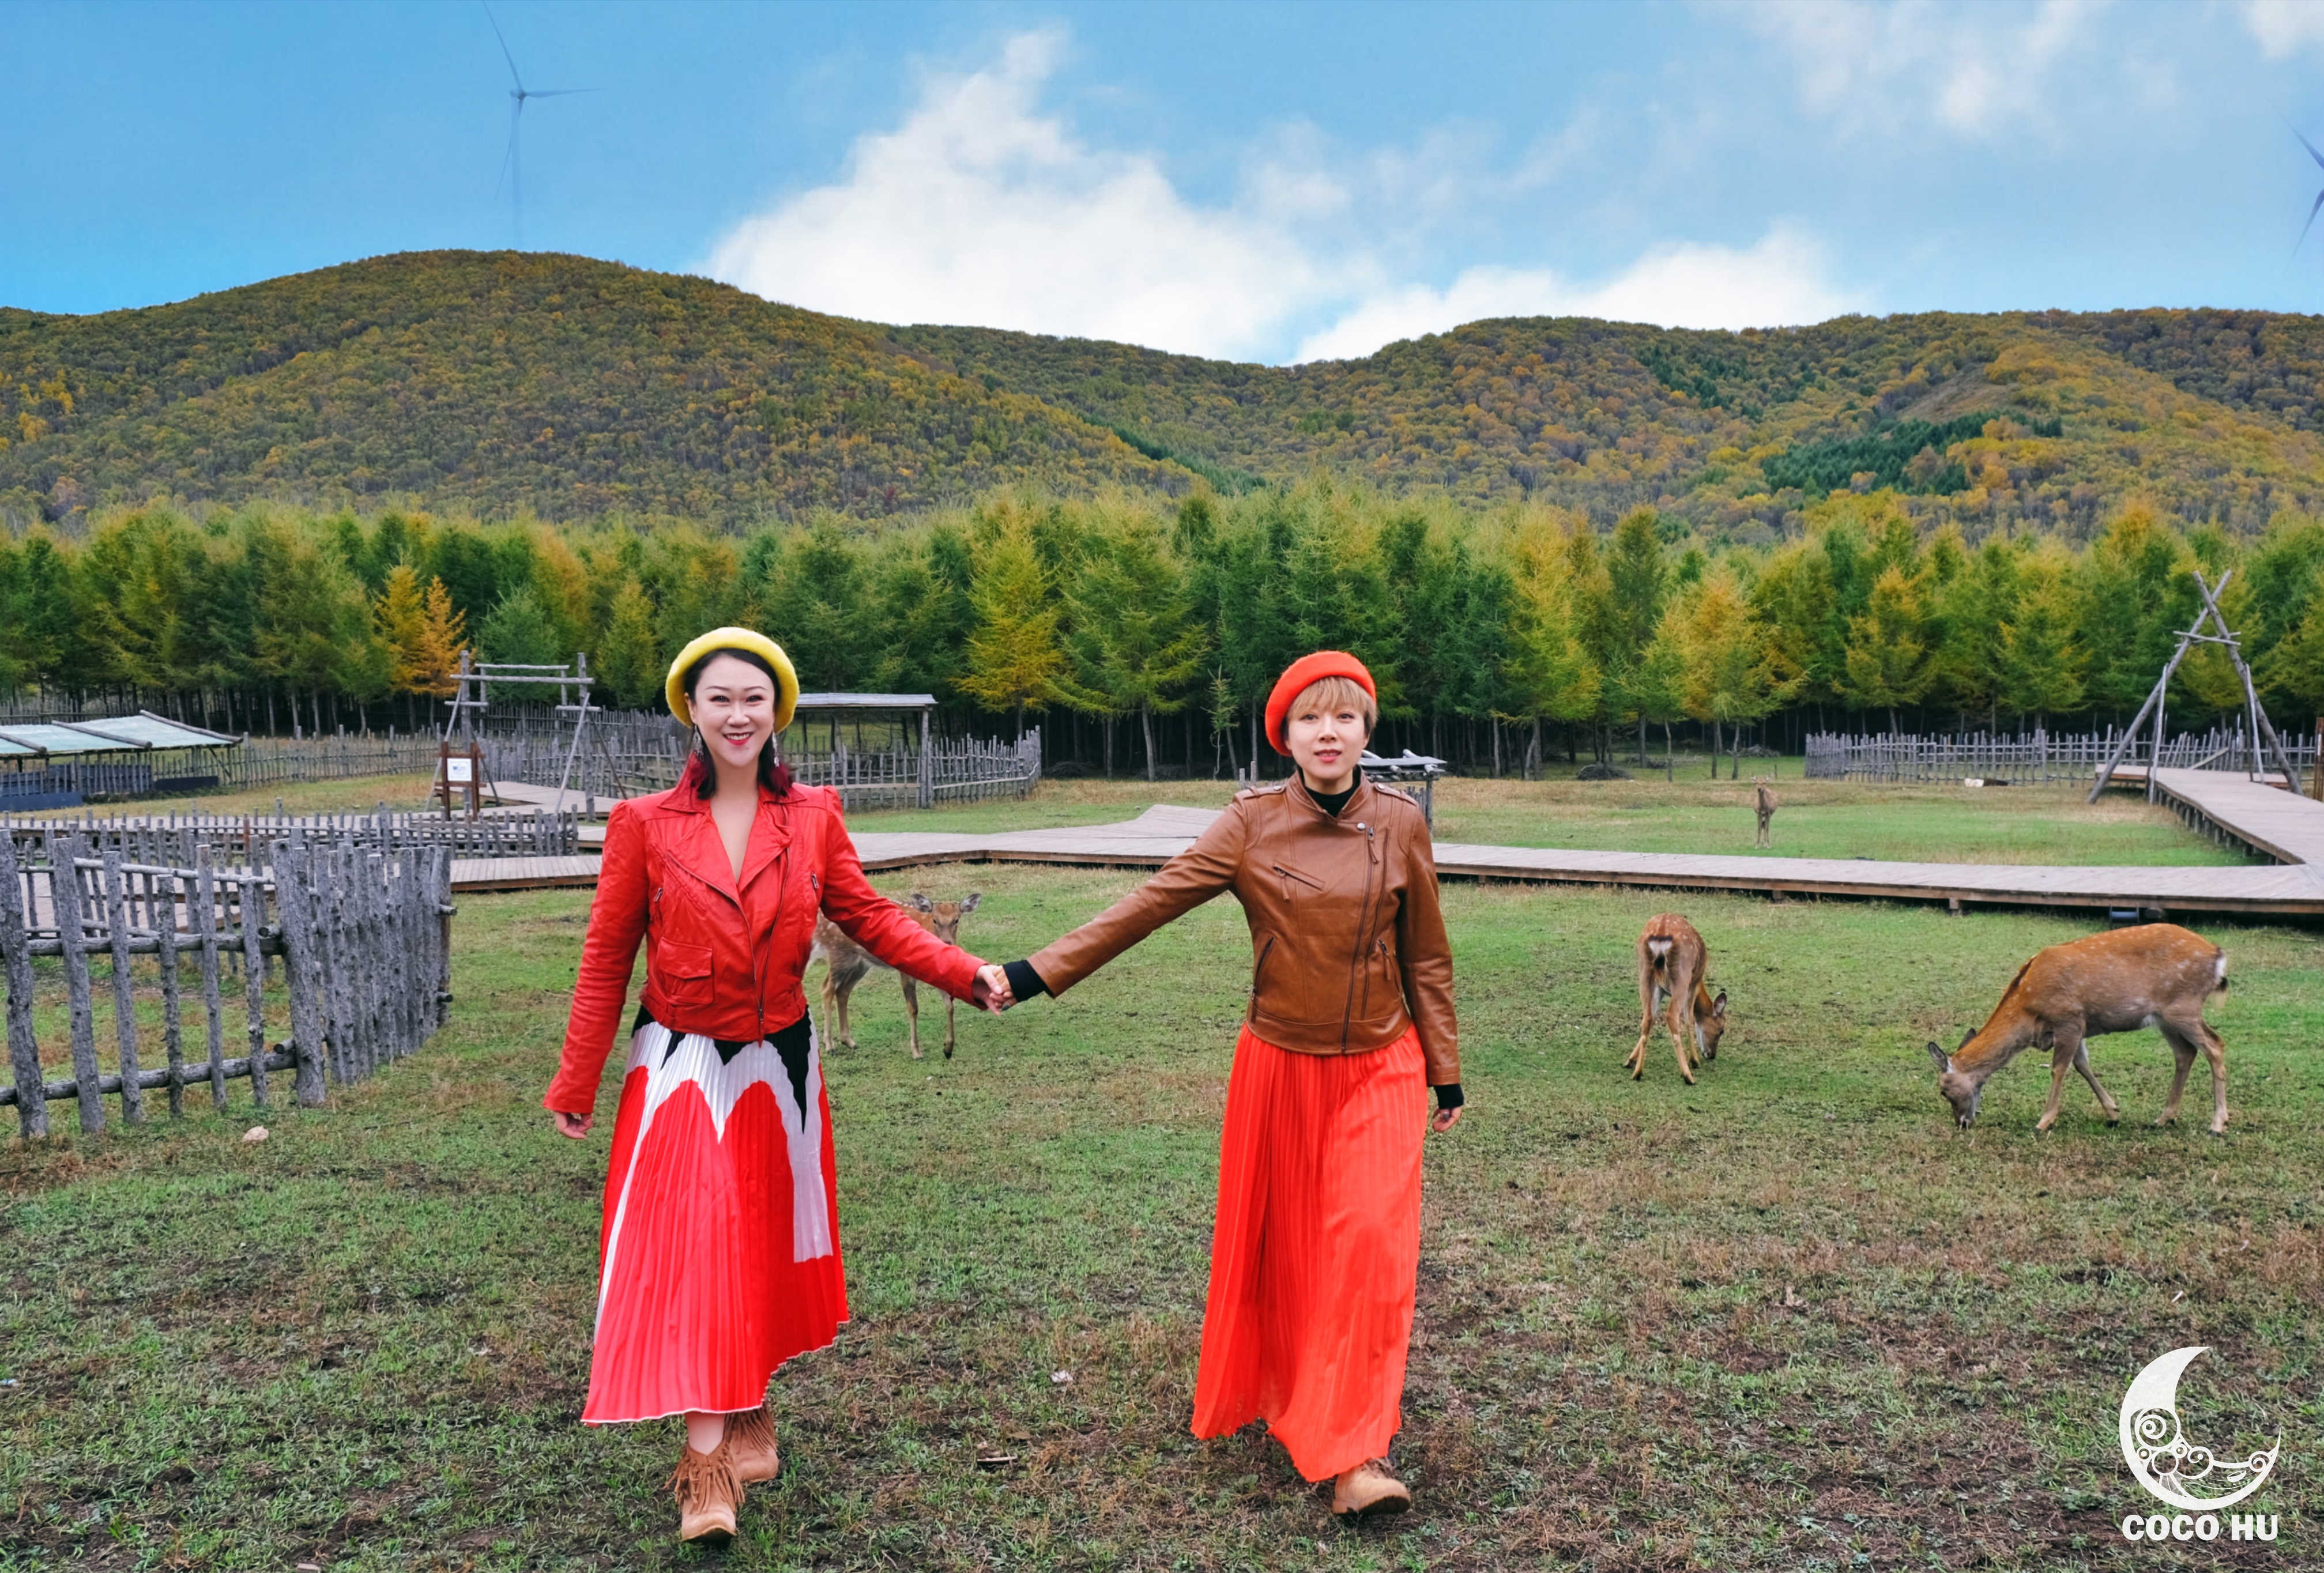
<point>2273,822</point>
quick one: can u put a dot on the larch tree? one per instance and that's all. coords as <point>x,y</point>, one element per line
<point>2041,662</point>
<point>629,658</point>
<point>1887,659</point>
<point>1014,661</point>
<point>1134,646</point>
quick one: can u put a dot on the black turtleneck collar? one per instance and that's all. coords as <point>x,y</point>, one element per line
<point>1332,802</point>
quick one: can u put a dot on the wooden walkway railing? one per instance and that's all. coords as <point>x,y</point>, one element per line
<point>2028,757</point>
<point>364,938</point>
<point>174,838</point>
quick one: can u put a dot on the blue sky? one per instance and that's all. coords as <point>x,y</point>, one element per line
<point>1267,182</point>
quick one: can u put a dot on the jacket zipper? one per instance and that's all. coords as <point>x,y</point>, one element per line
<point>1364,927</point>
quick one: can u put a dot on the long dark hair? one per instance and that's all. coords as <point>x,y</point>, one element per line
<point>701,769</point>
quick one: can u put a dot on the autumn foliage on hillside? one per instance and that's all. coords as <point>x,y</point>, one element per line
<point>498,384</point>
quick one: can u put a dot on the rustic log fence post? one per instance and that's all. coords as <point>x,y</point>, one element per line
<point>165,951</point>
<point>205,935</point>
<point>16,952</point>
<point>124,1001</point>
<point>72,938</point>
<point>252,891</point>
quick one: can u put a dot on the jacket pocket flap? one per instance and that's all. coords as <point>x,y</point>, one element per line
<point>1307,879</point>
<point>685,961</point>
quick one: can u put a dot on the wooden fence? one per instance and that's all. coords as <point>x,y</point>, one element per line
<point>174,838</point>
<point>951,770</point>
<point>363,940</point>
<point>2029,758</point>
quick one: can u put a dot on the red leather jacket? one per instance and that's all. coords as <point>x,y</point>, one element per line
<point>724,960</point>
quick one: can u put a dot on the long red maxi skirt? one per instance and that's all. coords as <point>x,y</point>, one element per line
<point>1316,1250</point>
<point>721,1249</point>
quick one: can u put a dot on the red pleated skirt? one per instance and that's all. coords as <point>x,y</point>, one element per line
<point>719,1257</point>
<point>1316,1250</point>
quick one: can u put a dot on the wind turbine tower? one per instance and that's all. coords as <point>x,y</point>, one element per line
<point>512,163</point>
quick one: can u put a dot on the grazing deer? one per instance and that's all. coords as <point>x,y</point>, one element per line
<point>847,964</point>
<point>1765,802</point>
<point>2157,975</point>
<point>1670,962</point>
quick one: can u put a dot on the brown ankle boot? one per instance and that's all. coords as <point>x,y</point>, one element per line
<point>707,1495</point>
<point>750,1439</point>
<point>1370,1488</point>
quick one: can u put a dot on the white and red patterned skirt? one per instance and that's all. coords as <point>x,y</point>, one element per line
<point>719,1259</point>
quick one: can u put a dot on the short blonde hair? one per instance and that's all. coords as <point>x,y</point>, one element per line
<point>1332,694</point>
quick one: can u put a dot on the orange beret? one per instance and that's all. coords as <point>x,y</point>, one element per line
<point>1303,671</point>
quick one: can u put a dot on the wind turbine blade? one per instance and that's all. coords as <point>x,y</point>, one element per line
<point>2311,222</point>
<point>561,92</point>
<point>512,59</point>
<point>508,159</point>
<point>2306,143</point>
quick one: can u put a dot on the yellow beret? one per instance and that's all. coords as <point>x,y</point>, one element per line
<point>787,689</point>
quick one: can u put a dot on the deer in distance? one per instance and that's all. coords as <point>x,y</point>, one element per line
<point>1671,961</point>
<point>1764,802</point>
<point>847,964</point>
<point>2156,975</point>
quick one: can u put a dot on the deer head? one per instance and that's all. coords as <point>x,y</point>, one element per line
<point>1713,1027</point>
<point>1961,1088</point>
<point>944,916</point>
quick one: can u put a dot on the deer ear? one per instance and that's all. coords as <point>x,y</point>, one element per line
<point>1966,1033</point>
<point>968,903</point>
<point>1719,1006</point>
<point>919,903</point>
<point>1944,1062</point>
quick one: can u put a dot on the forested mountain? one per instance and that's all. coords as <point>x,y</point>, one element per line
<point>495,383</point>
<point>500,383</point>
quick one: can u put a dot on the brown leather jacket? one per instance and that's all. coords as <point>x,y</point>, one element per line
<point>1348,945</point>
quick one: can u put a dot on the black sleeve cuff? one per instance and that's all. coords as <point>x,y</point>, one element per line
<point>1023,981</point>
<point>1448,1096</point>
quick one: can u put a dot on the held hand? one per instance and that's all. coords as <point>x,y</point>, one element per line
<point>1444,1120</point>
<point>993,990</point>
<point>575,1125</point>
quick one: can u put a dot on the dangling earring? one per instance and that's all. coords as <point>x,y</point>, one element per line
<point>705,767</point>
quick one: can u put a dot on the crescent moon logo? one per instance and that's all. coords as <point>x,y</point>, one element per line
<point>2157,1449</point>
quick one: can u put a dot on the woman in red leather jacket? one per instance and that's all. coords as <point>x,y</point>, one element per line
<point>719,1257</point>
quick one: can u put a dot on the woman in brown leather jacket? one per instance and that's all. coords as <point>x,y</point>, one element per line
<point>1317,1243</point>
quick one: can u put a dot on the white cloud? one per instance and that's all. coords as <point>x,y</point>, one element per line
<point>1977,70</point>
<point>2284,27</point>
<point>981,210</point>
<point>984,208</point>
<point>1781,280</point>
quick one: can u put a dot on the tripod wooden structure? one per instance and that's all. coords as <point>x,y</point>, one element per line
<point>2262,731</point>
<point>473,697</point>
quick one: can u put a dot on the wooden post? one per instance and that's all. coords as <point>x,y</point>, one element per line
<point>65,897</point>
<point>293,900</point>
<point>165,947</point>
<point>205,934</point>
<point>16,955</point>
<point>124,1002</point>
<point>928,766</point>
<point>252,890</point>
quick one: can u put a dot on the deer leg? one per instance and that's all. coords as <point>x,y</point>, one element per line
<point>1648,997</point>
<point>2063,1046</point>
<point>2082,1063</point>
<point>949,1003</point>
<point>2214,1050</point>
<point>1679,1021</point>
<point>2182,1050</point>
<point>832,1021</point>
<point>845,989</point>
<point>912,1011</point>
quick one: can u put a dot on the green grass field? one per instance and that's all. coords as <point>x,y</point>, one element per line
<point>1786,1318</point>
<point>1817,819</point>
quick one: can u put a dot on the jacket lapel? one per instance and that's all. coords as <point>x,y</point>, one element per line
<point>706,854</point>
<point>770,832</point>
